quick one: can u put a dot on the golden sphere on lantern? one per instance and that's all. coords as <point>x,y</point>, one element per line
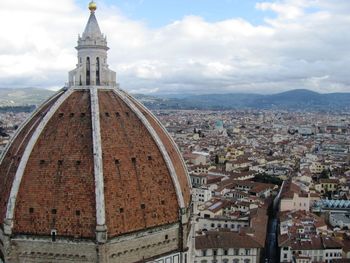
<point>92,6</point>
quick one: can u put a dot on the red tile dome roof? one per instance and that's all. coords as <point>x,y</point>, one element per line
<point>53,176</point>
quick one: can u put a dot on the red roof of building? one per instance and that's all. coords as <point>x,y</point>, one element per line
<point>225,240</point>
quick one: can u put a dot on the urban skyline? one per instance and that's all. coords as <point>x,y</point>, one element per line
<point>92,173</point>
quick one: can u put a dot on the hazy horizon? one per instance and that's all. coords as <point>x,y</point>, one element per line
<point>165,94</point>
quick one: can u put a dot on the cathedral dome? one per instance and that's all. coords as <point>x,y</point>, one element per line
<point>77,140</point>
<point>92,164</point>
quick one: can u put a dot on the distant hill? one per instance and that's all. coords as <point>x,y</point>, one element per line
<point>304,99</point>
<point>299,99</point>
<point>23,96</point>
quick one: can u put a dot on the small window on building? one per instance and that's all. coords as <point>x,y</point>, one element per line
<point>107,114</point>
<point>166,237</point>
<point>117,161</point>
<point>117,114</point>
<point>42,161</point>
<point>71,115</point>
<point>77,212</point>
<point>143,206</point>
<point>31,210</point>
<point>78,162</point>
<point>53,235</point>
<point>121,210</point>
<point>133,160</point>
<point>54,211</point>
<point>149,158</point>
<point>60,162</point>
<point>60,115</point>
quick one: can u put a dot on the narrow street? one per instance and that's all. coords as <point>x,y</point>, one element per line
<point>271,248</point>
<point>271,254</point>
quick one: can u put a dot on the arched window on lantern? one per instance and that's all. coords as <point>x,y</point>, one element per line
<point>88,71</point>
<point>97,71</point>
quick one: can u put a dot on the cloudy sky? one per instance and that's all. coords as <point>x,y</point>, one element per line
<point>184,46</point>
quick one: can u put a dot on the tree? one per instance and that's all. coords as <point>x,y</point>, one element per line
<point>268,179</point>
<point>325,174</point>
<point>2,132</point>
<point>217,159</point>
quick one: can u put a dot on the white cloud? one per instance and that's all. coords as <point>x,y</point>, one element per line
<point>284,10</point>
<point>306,45</point>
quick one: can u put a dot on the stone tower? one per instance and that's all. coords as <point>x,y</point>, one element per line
<point>92,175</point>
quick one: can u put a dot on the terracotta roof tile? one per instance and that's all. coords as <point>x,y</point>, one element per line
<point>227,239</point>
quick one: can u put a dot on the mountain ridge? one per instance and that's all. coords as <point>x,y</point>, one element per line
<point>10,97</point>
<point>298,99</point>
